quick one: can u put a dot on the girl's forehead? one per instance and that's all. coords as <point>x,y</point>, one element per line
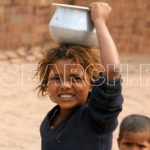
<point>63,61</point>
<point>66,65</point>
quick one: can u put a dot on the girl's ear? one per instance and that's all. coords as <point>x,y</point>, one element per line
<point>88,98</point>
<point>118,141</point>
<point>90,88</point>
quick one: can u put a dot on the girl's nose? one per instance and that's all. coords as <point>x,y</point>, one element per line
<point>66,85</point>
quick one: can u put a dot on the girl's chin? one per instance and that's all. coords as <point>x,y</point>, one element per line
<point>67,106</point>
<point>66,99</point>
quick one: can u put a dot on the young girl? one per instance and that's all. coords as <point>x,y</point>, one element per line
<point>88,102</point>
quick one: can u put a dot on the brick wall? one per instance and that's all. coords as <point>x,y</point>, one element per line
<point>129,23</point>
<point>25,23</point>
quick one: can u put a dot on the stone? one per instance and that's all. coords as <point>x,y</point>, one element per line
<point>3,57</point>
<point>37,52</point>
<point>39,56</point>
<point>30,58</point>
<point>11,54</point>
<point>22,51</point>
<point>16,61</point>
<point>36,49</point>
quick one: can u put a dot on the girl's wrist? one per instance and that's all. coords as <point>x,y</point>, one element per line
<point>99,23</point>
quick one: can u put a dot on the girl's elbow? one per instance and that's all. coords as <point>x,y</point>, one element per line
<point>113,72</point>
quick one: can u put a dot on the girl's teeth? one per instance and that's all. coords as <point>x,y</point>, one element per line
<point>66,96</point>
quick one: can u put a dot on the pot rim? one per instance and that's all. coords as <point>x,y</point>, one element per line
<point>70,6</point>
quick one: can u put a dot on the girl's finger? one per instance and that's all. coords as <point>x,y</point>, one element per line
<point>93,4</point>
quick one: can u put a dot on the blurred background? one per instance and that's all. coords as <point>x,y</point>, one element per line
<point>24,38</point>
<point>25,23</point>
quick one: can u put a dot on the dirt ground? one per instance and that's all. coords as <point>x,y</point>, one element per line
<point>21,111</point>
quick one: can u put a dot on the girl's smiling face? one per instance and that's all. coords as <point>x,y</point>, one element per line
<point>134,141</point>
<point>68,85</point>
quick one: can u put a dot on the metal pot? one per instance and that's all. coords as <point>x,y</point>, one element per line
<point>72,24</point>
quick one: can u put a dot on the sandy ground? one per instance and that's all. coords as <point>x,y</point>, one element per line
<point>21,112</point>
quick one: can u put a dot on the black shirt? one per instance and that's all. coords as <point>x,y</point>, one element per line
<point>90,126</point>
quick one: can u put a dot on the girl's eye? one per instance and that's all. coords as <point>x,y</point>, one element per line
<point>141,146</point>
<point>55,78</point>
<point>77,78</point>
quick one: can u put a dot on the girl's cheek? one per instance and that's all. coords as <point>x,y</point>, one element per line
<point>78,85</point>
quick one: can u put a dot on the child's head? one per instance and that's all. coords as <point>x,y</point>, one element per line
<point>78,60</point>
<point>134,133</point>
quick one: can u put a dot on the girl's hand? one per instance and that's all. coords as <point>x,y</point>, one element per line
<point>99,12</point>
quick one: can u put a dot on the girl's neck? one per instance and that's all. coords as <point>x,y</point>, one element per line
<point>65,112</point>
<point>60,115</point>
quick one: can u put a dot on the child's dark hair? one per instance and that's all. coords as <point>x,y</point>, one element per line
<point>84,56</point>
<point>135,123</point>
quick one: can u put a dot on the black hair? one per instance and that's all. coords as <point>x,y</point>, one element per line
<point>135,123</point>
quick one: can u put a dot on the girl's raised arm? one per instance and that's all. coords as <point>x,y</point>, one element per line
<point>109,56</point>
